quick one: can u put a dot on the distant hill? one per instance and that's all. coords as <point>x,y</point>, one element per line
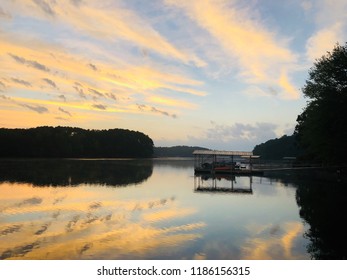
<point>278,148</point>
<point>175,151</point>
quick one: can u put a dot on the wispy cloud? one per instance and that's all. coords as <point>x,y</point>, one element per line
<point>4,97</point>
<point>78,81</point>
<point>36,108</point>
<point>45,7</point>
<point>2,86</point>
<point>99,106</point>
<point>95,92</point>
<point>173,57</point>
<point>80,91</point>
<point>320,42</point>
<point>65,112</point>
<point>128,26</point>
<point>4,14</point>
<point>63,97</point>
<point>111,95</point>
<point>171,102</point>
<point>331,27</point>
<point>93,67</point>
<point>261,56</point>
<point>61,119</point>
<point>30,63</point>
<point>76,2</point>
<point>22,82</point>
<point>50,82</point>
<point>146,108</point>
<point>155,110</point>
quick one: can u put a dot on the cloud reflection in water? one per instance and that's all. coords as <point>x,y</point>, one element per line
<point>280,245</point>
<point>80,223</point>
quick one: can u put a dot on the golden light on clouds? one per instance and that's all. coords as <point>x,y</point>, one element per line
<point>190,61</point>
<point>320,42</point>
<point>256,50</point>
<point>171,102</point>
<point>67,81</point>
<point>288,87</point>
<point>127,25</point>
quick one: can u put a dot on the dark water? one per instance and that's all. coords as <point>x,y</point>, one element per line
<point>158,209</point>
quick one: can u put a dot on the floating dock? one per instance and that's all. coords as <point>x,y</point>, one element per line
<point>224,162</point>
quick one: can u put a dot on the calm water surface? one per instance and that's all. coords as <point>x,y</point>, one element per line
<point>158,209</point>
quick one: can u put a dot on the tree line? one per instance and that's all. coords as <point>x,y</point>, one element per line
<point>321,127</point>
<point>279,148</point>
<point>73,142</point>
<point>320,134</point>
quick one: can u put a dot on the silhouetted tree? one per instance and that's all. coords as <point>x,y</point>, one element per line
<point>278,148</point>
<point>74,142</point>
<point>321,127</point>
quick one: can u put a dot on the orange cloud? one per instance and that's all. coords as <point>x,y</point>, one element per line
<point>69,82</point>
<point>320,42</point>
<point>171,102</point>
<point>113,23</point>
<point>257,52</point>
<point>292,92</point>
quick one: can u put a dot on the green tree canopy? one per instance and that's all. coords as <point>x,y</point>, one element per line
<point>321,127</point>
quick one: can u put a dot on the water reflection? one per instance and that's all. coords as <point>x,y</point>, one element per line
<point>57,172</point>
<point>82,223</point>
<point>284,242</point>
<point>263,225</point>
<point>163,215</point>
<point>176,163</point>
<point>221,184</point>
<point>322,198</point>
<point>323,207</point>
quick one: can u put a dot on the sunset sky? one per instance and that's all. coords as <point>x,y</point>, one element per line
<point>219,74</point>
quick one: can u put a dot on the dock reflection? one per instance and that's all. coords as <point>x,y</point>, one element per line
<point>226,183</point>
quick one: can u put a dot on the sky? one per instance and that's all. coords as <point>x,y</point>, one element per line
<point>221,74</point>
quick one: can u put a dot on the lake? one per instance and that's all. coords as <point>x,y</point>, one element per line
<point>158,209</point>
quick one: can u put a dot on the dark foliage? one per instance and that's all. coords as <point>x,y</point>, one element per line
<point>72,142</point>
<point>321,127</point>
<point>276,149</point>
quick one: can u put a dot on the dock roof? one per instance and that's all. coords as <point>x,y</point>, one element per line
<point>222,153</point>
